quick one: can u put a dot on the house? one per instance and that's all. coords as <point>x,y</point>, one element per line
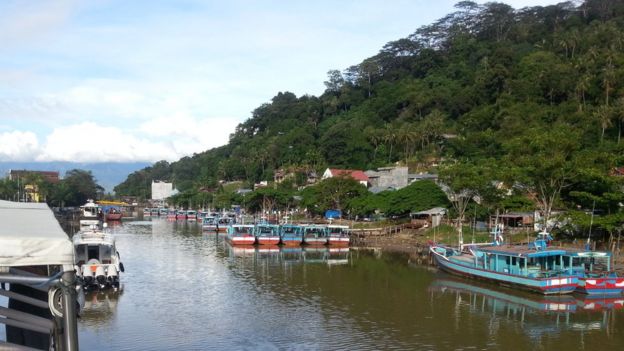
<point>358,175</point>
<point>388,177</point>
<point>48,176</point>
<point>31,190</point>
<point>618,172</point>
<point>513,220</point>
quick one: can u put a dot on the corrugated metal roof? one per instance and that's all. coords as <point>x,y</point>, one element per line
<point>30,235</point>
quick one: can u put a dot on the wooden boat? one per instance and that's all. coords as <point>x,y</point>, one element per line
<point>241,234</point>
<point>338,235</point>
<point>223,223</point>
<point>315,235</point>
<point>267,234</point>
<point>593,269</point>
<point>532,267</point>
<point>113,214</point>
<point>191,215</point>
<point>180,215</point>
<point>147,212</point>
<point>210,224</point>
<point>291,235</point>
<point>171,215</point>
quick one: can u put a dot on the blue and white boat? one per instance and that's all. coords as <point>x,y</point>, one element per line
<point>315,235</point>
<point>534,267</point>
<point>593,269</point>
<point>267,234</point>
<point>210,224</point>
<point>291,235</point>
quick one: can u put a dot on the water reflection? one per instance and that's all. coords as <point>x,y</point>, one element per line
<point>537,315</point>
<point>278,255</point>
<point>100,306</point>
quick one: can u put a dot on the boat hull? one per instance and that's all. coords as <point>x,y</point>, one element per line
<point>546,286</point>
<point>338,241</point>
<point>242,240</point>
<point>291,242</point>
<point>268,240</point>
<point>113,217</point>
<point>315,241</point>
<point>601,286</point>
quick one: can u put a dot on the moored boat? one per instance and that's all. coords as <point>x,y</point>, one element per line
<point>147,212</point>
<point>291,235</point>
<point>267,234</point>
<point>91,214</point>
<point>180,215</point>
<point>338,235</point>
<point>171,215</point>
<point>162,212</point>
<point>593,269</point>
<point>96,258</point>
<point>535,268</point>
<point>315,235</point>
<point>241,234</point>
<point>191,215</point>
<point>223,223</point>
<point>113,214</point>
<point>210,224</point>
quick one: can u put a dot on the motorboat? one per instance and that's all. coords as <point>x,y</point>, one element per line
<point>338,235</point>
<point>241,234</point>
<point>97,259</point>
<point>315,235</point>
<point>91,214</point>
<point>267,234</point>
<point>291,234</point>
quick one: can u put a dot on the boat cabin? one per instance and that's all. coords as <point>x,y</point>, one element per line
<point>520,260</point>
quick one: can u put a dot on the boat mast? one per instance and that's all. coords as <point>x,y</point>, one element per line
<point>591,223</point>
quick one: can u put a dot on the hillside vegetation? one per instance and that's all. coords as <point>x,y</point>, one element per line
<point>531,98</point>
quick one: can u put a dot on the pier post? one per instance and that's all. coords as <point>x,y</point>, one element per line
<point>70,323</point>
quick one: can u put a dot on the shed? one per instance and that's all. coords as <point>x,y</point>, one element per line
<point>431,217</point>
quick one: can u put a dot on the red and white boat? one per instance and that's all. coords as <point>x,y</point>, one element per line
<point>338,235</point>
<point>113,214</point>
<point>241,234</point>
<point>267,234</point>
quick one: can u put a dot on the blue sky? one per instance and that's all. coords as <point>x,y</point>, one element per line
<point>119,80</point>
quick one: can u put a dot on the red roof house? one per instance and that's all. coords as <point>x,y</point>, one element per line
<point>358,175</point>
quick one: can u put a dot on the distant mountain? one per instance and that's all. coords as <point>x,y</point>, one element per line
<point>107,174</point>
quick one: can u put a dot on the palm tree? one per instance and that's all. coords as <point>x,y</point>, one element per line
<point>619,116</point>
<point>603,115</point>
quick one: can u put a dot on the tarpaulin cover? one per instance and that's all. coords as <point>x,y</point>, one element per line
<point>30,235</point>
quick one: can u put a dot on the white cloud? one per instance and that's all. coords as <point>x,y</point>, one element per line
<point>90,142</point>
<point>18,146</point>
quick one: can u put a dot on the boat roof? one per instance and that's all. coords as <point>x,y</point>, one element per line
<point>93,237</point>
<point>577,252</point>
<point>30,235</point>
<point>522,251</point>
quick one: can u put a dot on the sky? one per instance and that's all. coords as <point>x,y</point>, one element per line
<point>119,80</point>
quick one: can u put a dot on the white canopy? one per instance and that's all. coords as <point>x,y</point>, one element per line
<point>30,235</point>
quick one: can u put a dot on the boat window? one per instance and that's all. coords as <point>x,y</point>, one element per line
<point>105,252</point>
<point>94,252</point>
<point>513,261</point>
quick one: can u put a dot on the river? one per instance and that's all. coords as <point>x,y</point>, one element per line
<point>188,290</point>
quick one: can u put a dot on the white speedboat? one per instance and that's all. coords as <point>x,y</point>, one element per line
<point>91,214</point>
<point>97,259</point>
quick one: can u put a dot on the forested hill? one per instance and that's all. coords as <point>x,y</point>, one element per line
<point>486,84</point>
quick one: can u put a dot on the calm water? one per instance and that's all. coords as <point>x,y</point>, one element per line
<point>184,290</point>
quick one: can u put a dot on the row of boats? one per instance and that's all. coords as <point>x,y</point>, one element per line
<point>537,266</point>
